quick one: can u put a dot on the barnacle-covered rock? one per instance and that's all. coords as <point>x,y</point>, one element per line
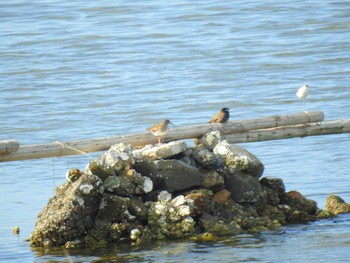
<point>202,193</point>
<point>337,205</point>
<point>274,188</point>
<point>297,208</point>
<point>238,159</point>
<point>128,184</point>
<point>217,226</point>
<point>209,140</point>
<point>171,218</point>
<point>67,216</point>
<point>118,159</point>
<point>207,159</point>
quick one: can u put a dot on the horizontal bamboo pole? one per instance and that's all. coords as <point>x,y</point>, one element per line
<point>301,130</point>
<point>8,146</point>
<point>58,149</point>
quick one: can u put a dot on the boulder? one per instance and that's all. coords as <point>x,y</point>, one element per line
<point>337,205</point>
<point>67,215</point>
<point>297,208</point>
<point>238,159</point>
<point>243,188</point>
<point>274,188</point>
<point>170,175</point>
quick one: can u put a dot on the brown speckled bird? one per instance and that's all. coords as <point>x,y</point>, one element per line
<point>160,129</point>
<point>221,117</point>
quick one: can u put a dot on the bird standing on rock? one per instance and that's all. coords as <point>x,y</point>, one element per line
<point>302,93</point>
<point>160,129</point>
<point>221,117</point>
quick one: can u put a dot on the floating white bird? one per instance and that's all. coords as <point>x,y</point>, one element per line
<point>302,93</point>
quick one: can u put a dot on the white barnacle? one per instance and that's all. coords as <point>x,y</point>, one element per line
<point>184,210</point>
<point>86,188</point>
<point>177,201</point>
<point>135,234</point>
<point>164,196</point>
<point>79,200</point>
<point>147,185</point>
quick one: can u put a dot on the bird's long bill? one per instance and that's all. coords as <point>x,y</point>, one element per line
<point>171,123</point>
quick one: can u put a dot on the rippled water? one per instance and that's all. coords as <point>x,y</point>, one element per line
<point>74,70</point>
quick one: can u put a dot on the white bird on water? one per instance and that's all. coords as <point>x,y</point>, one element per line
<point>302,93</point>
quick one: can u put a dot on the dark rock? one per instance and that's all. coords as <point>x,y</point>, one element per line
<point>212,180</point>
<point>202,201</point>
<point>170,175</point>
<point>274,188</point>
<point>67,216</point>
<point>100,232</point>
<point>189,161</point>
<point>243,188</point>
<point>138,208</point>
<point>214,225</point>
<point>113,208</point>
<point>297,208</point>
<point>274,213</point>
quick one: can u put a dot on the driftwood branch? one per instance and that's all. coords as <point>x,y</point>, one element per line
<point>301,130</point>
<point>58,149</point>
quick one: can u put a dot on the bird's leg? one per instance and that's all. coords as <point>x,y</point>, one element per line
<point>159,141</point>
<point>304,104</point>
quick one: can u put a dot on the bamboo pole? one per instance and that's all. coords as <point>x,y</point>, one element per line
<point>58,149</point>
<point>301,130</point>
<point>8,146</point>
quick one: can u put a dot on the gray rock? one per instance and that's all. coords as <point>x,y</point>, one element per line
<point>239,159</point>
<point>113,208</point>
<point>243,188</point>
<point>170,175</point>
<point>208,159</point>
<point>67,215</point>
